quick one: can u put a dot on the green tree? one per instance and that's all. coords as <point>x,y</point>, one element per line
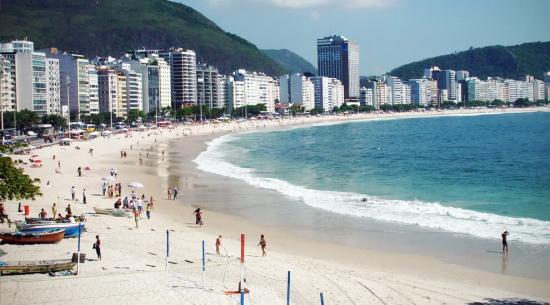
<point>317,110</point>
<point>498,103</point>
<point>135,115</point>
<point>522,102</point>
<point>26,118</point>
<point>55,120</point>
<point>295,108</point>
<point>15,184</point>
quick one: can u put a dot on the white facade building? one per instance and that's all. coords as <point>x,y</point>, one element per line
<point>258,89</point>
<point>297,89</point>
<point>183,69</point>
<point>53,87</point>
<point>7,86</point>
<point>329,93</point>
<point>93,90</point>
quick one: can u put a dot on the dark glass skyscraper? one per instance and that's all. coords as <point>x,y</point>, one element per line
<point>337,57</point>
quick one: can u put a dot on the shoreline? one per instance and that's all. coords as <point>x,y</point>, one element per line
<point>127,247</point>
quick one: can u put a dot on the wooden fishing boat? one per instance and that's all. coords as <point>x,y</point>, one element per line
<point>46,266</point>
<point>20,238</point>
<point>71,229</point>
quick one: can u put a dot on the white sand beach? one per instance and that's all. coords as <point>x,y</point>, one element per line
<point>133,269</point>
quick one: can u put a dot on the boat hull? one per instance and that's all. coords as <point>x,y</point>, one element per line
<point>32,238</point>
<point>12,268</point>
<point>71,229</point>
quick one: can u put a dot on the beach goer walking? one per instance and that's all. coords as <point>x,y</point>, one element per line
<point>176,191</point>
<point>58,164</point>
<point>263,244</point>
<point>218,244</point>
<point>79,171</point>
<point>505,241</point>
<point>104,188</point>
<point>73,192</point>
<point>84,196</point>
<point>139,206</point>
<point>198,217</point>
<point>54,210</point>
<point>169,193</point>
<point>125,202</point>
<point>91,152</point>
<point>42,214</point>
<point>151,202</point>
<point>97,247</point>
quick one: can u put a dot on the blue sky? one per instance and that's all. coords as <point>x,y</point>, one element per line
<point>389,32</point>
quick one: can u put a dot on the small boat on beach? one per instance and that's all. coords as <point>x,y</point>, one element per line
<point>113,212</point>
<point>71,228</point>
<point>21,238</point>
<point>53,220</point>
<point>46,266</point>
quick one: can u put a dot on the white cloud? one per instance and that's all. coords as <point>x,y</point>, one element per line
<point>297,4</point>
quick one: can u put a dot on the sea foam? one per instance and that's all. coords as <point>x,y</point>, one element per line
<point>430,215</point>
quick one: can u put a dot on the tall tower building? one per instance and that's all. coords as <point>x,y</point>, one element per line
<point>338,57</point>
<point>183,65</point>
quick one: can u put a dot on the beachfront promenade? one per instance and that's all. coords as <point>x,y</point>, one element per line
<point>134,269</point>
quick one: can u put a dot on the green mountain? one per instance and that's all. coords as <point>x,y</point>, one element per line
<point>111,27</point>
<point>508,62</point>
<point>290,61</point>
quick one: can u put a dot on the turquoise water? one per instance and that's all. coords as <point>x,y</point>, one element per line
<point>477,175</point>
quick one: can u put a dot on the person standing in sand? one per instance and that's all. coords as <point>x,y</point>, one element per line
<point>169,191</point>
<point>198,217</point>
<point>97,247</point>
<point>73,193</point>
<point>148,210</point>
<point>263,244</point>
<point>505,241</point>
<point>136,217</point>
<point>218,244</point>
<point>84,196</point>
<point>54,210</point>
<point>175,193</point>
<point>79,171</point>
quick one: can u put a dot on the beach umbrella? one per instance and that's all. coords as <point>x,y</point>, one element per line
<point>136,185</point>
<point>37,161</point>
<point>88,168</point>
<point>108,178</point>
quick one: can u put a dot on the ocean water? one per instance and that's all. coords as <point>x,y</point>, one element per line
<point>475,175</point>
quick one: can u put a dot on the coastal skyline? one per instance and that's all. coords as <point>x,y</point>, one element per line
<point>440,27</point>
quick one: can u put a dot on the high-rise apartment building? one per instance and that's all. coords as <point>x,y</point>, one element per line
<point>134,92</point>
<point>446,80</point>
<point>107,78</point>
<point>93,90</point>
<point>29,75</point>
<point>329,92</point>
<point>297,89</point>
<point>7,85</point>
<point>366,97</point>
<point>159,80</point>
<point>53,87</point>
<point>183,68</point>
<point>208,86</point>
<point>396,88</point>
<point>74,82</point>
<point>258,89</point>
<point>122,95</point>
<point>338,57</point>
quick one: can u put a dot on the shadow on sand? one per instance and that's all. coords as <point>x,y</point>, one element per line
<point>508,302</point>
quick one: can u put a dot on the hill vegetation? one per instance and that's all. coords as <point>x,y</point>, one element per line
<point>508,62</point>
<point>111,27</point>
<point>290,61</point>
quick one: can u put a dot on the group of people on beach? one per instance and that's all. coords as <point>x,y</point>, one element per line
<point>172,193</point>
<point>111,190</point>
